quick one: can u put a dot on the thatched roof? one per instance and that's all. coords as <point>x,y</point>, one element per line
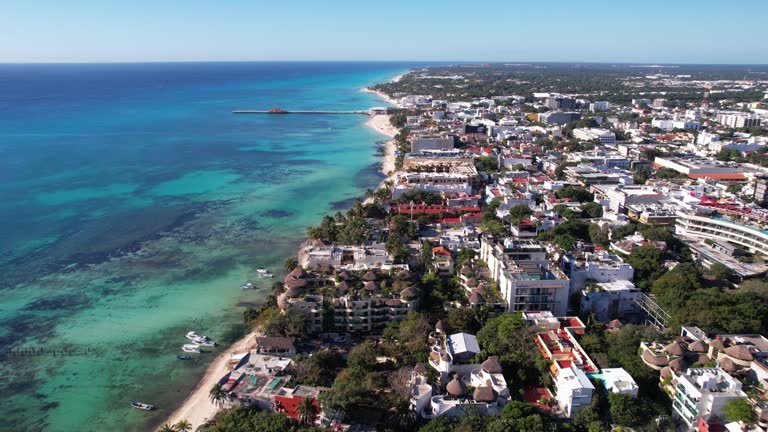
<point>295,283</point>
<point>485,393</point>
<point>492,365</point>
<point>727,365</point>
<point>675,349</point>
<point>409,293</point>
<point>678,365</point>
<point>666,372</point>
<point>456,387</point>
<point>655,360</point>
<point>717,344</point>
<point>298,273</point>
<point>740,352</point>
<point>616,324</point>
<point>294,292</point>
<point>476,298</point>
<point>702,358</point>
<point>369,276</point>
<point>699,347</point>
<point>369,286</point>
<point>465,270</point>
<point>471,282</point>
<point>392,302</point>
<point>342,288</point>
<point>345,275</point>
<point>318,243</point>
<point>403,274</point>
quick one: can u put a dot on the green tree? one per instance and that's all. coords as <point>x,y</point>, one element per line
<point>308,411</point>
<point>739,410</point>
<point>166,428</point>
<point>575,193</point>
<point>720,271</point>
<point>592,210</point>
<point>487,164</point>
<point>646,260</point>
<point>290,264</point>
<point>624,410</point>
<point>363,356</point>
<point>217,395</point>
<point>519,212</point>
<point>183,426</point>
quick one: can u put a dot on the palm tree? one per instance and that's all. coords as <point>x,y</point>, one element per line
<point>217,395</point>
<point>183,426</point>
<point>307,411</point>
<point>166,428</point>
<point>291,263</point>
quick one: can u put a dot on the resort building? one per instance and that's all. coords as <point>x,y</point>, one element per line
<point>355,314</point>
<point>619,381</point>
<point>703,392</point>
<point>350,257</point>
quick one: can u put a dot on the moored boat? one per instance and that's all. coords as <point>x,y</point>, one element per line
<point>264,273</point>
<point>142,406</point>
<point>183,357</point>
<point>246,285</point>
<point>200,339</point>
<point>191,348</point>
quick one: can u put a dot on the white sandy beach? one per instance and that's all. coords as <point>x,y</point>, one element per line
<point>197,408</point>
<point>381,124</point>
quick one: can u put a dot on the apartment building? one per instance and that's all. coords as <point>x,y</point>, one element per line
<point>717,228</point>
<point>703,392</point>
<point>527,281</point>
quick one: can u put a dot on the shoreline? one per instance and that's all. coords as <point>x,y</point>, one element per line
<point>197,408</point>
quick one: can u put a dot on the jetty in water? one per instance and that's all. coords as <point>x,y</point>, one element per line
<point>278,111</point>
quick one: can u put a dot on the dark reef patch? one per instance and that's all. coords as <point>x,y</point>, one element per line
<point>276,213</point>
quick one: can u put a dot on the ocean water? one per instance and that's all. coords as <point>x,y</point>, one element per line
<point>132,206</point>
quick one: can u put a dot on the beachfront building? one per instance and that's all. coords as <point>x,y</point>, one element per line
<point>421,142</point>
<point>703,392</point>
<point>437,182</point>
<point>356,314</point>
<point>526,279</point>
<point>349,257</point>
<point>257,380</point>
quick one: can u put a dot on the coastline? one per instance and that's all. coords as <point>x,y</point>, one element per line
<point>197,408</point>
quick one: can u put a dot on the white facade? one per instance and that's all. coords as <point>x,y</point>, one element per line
<point>617,380</point>
<point>703,391</point>
<point>618,299</point>
<point>750,237</point>
<point>574,390</point>
<point>738,120</point>
<point>589,134</point>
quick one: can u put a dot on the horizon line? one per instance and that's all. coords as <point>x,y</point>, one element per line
<point>466,62</point>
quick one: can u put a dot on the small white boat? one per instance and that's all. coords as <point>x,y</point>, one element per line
<point>264,273</point>
<point>246,285</point>
<point>207,343</point>
<point>200,339</point>
<point>191,348</point>
<point>142,406</point>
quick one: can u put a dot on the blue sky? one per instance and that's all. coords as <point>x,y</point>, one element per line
<point>671,31</point>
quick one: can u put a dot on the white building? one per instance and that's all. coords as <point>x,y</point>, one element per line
<point>702,227</point>
<point>574,390</point>
<point>526,283</point>
<point>702,392</point>
<point>589,134</point>
<point>599,267</point>
<point>617,380</point>
<point>618,299</point>
<point>600,106</point>
<point>738,120</point>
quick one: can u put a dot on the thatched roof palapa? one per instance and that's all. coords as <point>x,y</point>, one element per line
<point>740,352</point>
<point>699,346</point>
<point>492,365</point>
<point>675,349</point>
<point>485,393</point>
<point>456,387</point>
<point>653,359</point>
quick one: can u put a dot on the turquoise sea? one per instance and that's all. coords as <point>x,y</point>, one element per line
<point>133,204</point>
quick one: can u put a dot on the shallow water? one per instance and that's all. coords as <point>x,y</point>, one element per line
<point>133,205</point>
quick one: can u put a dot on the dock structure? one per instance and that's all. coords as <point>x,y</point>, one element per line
<point>277,111</point>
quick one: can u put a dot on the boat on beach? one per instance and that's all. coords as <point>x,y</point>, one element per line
<point>142,406</point>
<point>191,348</point>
